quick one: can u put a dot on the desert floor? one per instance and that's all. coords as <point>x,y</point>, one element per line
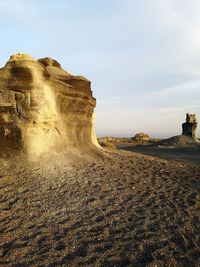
<point>128,209</point>
<point>187,154</point>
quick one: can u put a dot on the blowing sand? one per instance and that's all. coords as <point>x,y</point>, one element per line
<point>127,210</point>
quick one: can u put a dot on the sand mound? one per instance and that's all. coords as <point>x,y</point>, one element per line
<point>179,141</point>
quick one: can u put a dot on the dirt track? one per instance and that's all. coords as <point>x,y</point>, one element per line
<point>129,210</point>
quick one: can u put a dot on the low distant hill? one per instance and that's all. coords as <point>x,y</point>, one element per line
<point>179,141</point>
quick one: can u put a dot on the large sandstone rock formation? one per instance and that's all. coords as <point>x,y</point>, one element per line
<point>190,126</point>
<point>44,108</point>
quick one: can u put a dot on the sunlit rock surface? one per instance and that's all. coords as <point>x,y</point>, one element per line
<point>44,108</point>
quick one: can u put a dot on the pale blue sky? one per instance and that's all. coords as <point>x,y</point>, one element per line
<point>142,56</point>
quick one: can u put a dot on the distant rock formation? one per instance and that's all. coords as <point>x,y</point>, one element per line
<point>141,137</point>
<point>44,108</point>
<point>190,126</point>
<point>107,139</point>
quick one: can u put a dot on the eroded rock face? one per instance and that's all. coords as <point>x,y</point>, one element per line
<point>43,107</point>
<point>190,126</point>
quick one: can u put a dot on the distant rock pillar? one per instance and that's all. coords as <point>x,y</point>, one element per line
<point>190,126</point>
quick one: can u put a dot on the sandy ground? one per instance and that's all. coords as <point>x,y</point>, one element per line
<point>187,154</point>
<point>127,210</point>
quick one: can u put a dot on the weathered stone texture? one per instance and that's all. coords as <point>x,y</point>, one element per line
<point>43,107</point>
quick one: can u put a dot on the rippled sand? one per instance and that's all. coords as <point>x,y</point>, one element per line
<point>126,210</point>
